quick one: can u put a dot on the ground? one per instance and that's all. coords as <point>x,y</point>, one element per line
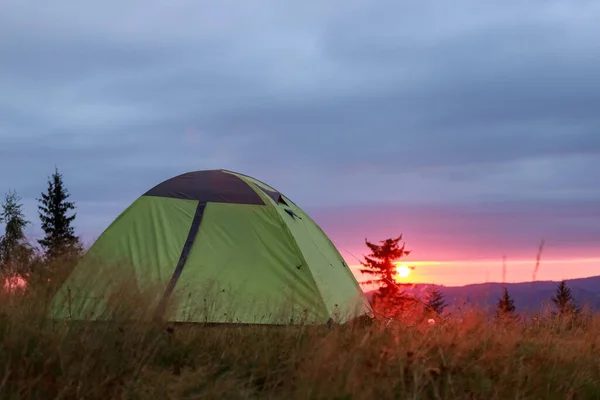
<point>466,356</point>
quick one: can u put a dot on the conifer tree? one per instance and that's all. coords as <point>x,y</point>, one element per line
<point>380,264</point>
<point>14,249</point>
<point>563,300</point>
<point>506,305</point>
<point>435,301</point>
<point>56,223</point>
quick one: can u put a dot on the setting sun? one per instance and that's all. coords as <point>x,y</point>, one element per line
<point>402,271</point>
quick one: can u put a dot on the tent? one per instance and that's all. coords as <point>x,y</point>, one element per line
<point>213,246</point>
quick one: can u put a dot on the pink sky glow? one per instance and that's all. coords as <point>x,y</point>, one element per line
<point>461,247</point>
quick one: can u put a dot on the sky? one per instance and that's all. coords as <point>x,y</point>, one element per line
<point>473,130</point>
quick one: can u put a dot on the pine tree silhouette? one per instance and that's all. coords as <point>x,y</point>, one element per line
<point>563,300</point>
<point>56,224</point>
<point>506,305</point>
<point>15,251</point>
<point>380,263</point>
<point>435,300</point>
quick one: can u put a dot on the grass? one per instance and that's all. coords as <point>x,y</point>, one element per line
<point>466,356</point>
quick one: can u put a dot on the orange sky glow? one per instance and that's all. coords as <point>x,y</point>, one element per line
<point>458,273</point>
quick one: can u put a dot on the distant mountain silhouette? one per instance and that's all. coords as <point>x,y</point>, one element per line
<point>529,296</point>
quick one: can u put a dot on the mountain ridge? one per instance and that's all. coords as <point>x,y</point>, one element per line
<point>529,297</point>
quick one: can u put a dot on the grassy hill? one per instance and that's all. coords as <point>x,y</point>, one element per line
<point>468,356</point>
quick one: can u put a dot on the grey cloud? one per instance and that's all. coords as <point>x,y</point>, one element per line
<point>467,110</point>
<point>51,61</point>
<point>475,119</point>
<point>417,103</point>
<point>104,170</point>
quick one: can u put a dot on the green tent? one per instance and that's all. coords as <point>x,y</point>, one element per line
<point>213,246</point>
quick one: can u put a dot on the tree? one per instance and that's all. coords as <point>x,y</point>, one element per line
<point>564,301</point>
<point>380,263</point>
<point>435,301</point>
<point>56,224</point>
<point>15,252</point>
<point>506,305</point>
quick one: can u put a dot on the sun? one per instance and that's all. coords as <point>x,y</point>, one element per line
<point>402,271</point>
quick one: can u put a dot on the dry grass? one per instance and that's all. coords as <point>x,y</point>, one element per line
<point>465,357</point>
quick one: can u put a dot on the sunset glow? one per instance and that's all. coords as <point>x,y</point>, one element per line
<point>402,271</point>
<point>458,273</point>
<point>14,283</point>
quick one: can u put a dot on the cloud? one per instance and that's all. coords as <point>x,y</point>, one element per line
<point>350,103</point>
<point>474,232</point>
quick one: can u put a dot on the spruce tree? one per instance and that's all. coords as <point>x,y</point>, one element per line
<point>435,301</point>
<point>14,249</point>
<point>563,300</point>
<point>506,305</point>
<point>56,223</point>
<point>380,264</point>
